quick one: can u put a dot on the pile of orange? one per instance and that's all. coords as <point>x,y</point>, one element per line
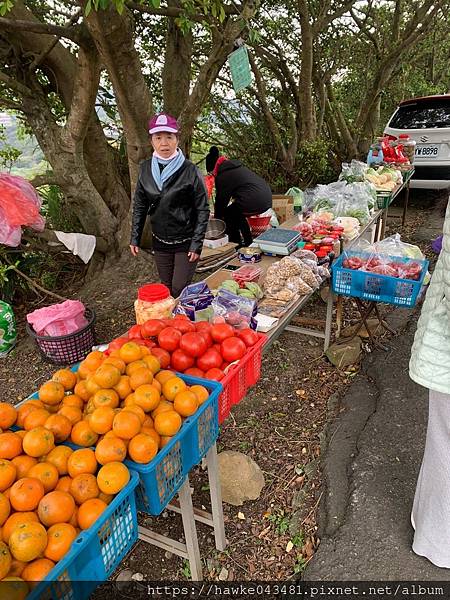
<point>124,406</point>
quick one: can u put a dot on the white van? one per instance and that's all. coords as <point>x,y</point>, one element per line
<point>427,121</point>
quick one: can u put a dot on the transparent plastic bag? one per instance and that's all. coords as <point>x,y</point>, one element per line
<point>353,204</point>
<point>235,310</point>
<point>393,246</point>
<point>298,285</point>
<point>354,171</point>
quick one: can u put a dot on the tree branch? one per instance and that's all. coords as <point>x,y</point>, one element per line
<point>174,12</point>
<point>15,85</point>
<point>47,178</point>
<point>66,32</point>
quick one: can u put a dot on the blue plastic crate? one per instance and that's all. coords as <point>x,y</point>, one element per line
<point>96,552</point>
<point>161,478</point>
<point>375,287</point>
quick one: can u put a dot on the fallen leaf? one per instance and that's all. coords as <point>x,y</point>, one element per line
<point>241,516</point>
<point>289,546</point>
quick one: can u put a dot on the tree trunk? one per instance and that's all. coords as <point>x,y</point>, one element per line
<point>307,117</point>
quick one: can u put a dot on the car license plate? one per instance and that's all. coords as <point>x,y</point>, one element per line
<point>427,151</point>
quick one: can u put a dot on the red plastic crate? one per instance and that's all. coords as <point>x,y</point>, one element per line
<point>240,377</point>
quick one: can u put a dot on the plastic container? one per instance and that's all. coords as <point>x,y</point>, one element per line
<point>408,146</point>
<point>259,225</point>
<point>153,302</point>
<point>249,255</point>
<point>67,349</point>
<point>246,273</point>
<point>375,287</point>
<point>96,552</point>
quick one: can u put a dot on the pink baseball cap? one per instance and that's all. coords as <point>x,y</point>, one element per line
<point>163,122</point>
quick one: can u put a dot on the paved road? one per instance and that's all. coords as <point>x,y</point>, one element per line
<point>372,462</point>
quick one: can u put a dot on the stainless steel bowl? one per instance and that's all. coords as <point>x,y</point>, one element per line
<point>215,230</point>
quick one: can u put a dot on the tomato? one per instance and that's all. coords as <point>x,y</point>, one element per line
<point>207,337</point>
<point>193,344</point>
<point>221,331</point>
<point>233,349</point>
<point>162,355</point>
<point>150,343</point>
<point>169,338</point>
<point>135,332</point>
<point>248,336</point>
<point>194,372</point>
<point>224,366</point>
<point>203,326</point>
<point>215,374</point>
<point>138,341</point>
<point>183,325</point>
<point>117,343</point>
<point>180,361</point>
<point>181,316</point>
<point>151,328</point>
<point>210,360</point>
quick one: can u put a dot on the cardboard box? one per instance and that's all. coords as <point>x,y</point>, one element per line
<point>216,243</point>
<point>283,207</point>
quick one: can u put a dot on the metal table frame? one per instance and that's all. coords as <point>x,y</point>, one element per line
<point>390,197</point>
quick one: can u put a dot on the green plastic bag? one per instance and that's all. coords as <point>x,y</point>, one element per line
<point>8,331</point>
<point>297,194</point>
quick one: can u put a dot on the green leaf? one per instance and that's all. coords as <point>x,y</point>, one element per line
<point>156,3</point>
<point>88,8</point>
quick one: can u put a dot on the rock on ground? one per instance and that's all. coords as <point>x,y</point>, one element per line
<point>241,478</point>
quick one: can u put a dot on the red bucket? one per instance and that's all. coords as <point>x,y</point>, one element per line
<point>258,224</point>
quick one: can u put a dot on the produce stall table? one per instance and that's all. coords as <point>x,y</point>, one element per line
<point>385,199</point>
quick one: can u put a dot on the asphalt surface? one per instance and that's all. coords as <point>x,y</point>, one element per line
<point>371,465</point>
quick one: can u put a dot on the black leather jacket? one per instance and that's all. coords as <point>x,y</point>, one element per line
<point>179,211</point>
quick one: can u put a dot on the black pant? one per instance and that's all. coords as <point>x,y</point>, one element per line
<point>175,270</point>
<point>238,229</point>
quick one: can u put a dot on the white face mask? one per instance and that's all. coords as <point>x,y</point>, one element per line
<point>156,155</point>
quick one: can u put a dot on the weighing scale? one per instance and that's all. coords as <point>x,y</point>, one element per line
<point>281,242</point>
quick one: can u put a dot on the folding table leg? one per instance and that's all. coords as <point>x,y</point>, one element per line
<point>190,531</point>
<point>216,498</point>
<point>329,319</point>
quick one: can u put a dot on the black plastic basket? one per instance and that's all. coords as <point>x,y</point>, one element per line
<point>67,349</point>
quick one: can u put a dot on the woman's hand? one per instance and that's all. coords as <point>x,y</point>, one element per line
<point>134,250</point>
<point>193,256</point>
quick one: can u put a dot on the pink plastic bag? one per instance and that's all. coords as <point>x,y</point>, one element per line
<point>58,319</point>
<point>20,205</point>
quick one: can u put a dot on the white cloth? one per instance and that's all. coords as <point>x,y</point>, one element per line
<point>79,244</point>
<point>431,509</point>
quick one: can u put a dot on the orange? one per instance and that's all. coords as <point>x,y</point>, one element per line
<point>90,511</point>
<point>168,423</point>
<point>28,541</point>
<point>16,568</point>
<point>148,422</point>
<point>10,445</point>
<point>51,392</point>
<point>5,508</point>
<point>81,461</point>
<point>137,410</point>
<point>55,507</point>
<point>123,388</point>
<point>14,588</point>
<point>106,397</point>
<point>110,449</point>
<point>134,366</point>
<point>164,440</point>
<point>139,377</point>
<point>142,448</point>
<point>163,406</point>
<point>71,412</point>
<point>94,359</point>
<point>126,425</point>
<point>185,403</point>
<point>25,409</point>
<point>8,415</point>
<point>5,560</point>
<point>64,483</point>
<point>144,351</point>
<point>157,385</point>
<point>116,362</point>
<point>108,498</point>
<point>59,425</point>
<point>152,363</point>
<point>84,487</point>
<point>38,441</point>
<point>26,494</point>
<point>66,377</point>
<point>59,457</point>
<point>46,473</point>
<point>37,570</point>
<point>130,352</point>
<point>7,474</point>
<point>201,393</point>
<point>23,464</point>
<point>152,433</point>
<point>90,407</point>
<point>16,519</point>
<point>113,477</point>
<point>21,433</point>
<point>36,418</point>
<point>107,376</point>
<point>83,435</point>
<point>129,401</point>
<point>74,519</point>
<point>147,397</point>
<point>81,391</point>
<point>60,538</point>
<point>73,400</point>
<point>172,387</point>
<point>92,386</point>
<point>101,419</point>
<point>164,376</point>
<point>83,371</point>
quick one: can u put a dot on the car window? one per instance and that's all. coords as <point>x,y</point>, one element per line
<point>423,115</point>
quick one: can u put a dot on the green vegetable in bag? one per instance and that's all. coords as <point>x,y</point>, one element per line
<point>8,332</point>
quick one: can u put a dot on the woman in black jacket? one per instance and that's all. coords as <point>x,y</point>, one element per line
<point>250,193</point>
<point>170,189</point>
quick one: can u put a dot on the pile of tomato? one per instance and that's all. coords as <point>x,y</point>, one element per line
<point>199,349</point>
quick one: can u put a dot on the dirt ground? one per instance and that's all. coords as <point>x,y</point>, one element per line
<point>279,424</point>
